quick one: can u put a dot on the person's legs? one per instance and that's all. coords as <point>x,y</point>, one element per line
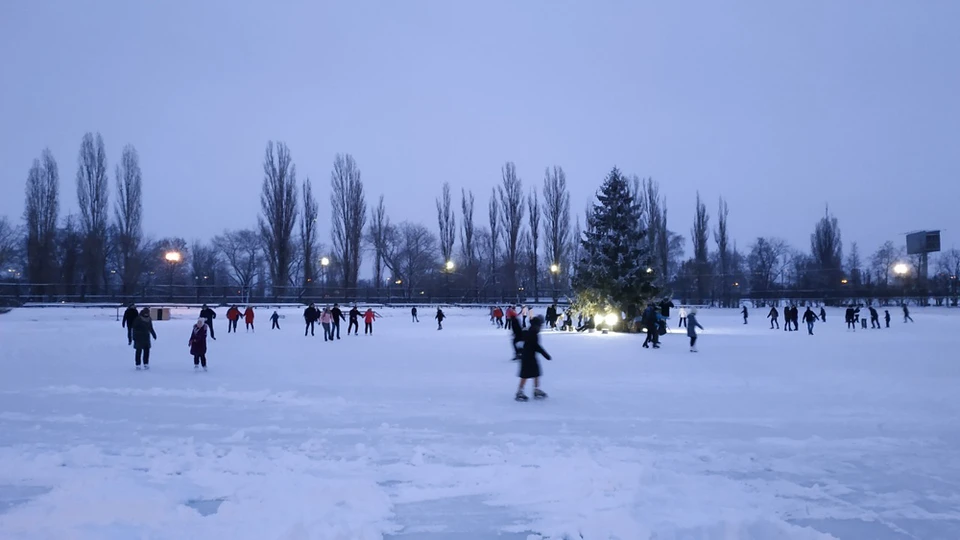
<point>138,355</point>
<point>210,326</point>
<point>203,360</point>
<point>196,360</point>
<point>146,357</point>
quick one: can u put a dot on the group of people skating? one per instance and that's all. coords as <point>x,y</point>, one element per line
<point>330,319</point>
<point>852,318</point>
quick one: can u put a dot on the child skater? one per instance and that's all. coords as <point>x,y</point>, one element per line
<point>529,365</point>
<point>275,321</point>
<point>198,345</point>
<point>692,325</point>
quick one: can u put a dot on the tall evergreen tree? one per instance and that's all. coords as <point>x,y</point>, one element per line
<point>612,268</point>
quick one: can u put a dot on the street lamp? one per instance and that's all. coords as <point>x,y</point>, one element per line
<point>324,263</point>
<point>174,258</point>
<point>901,269</point>
<point>449,266</point>
<point>555,268</point>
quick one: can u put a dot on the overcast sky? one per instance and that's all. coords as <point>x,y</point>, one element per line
<point>780,108</point>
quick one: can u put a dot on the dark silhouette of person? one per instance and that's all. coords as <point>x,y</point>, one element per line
<point>886,317</point>
<point>874,318</point>
<point>208,315</point>
<point>337,317</point>
<point>275,321</point>
<point>354,321</point>
<point>809,317</point>
<point>774,317</point>
<point>823,314</point>
<point>413,314</point>
<point>745,313</point>
<point>906,314</point>
<point>440,317</point>
<point>310,316</point>
<point>850,316</point>
<point>129,317</point>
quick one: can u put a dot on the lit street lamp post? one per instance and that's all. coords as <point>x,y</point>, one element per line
<point>555,272</point>
<point>901,270</point>
<point>174,258</point>
<point>324,263</point>
<point>448,269</point>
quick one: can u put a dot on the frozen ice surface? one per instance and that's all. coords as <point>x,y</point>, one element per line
<point>413,433</point>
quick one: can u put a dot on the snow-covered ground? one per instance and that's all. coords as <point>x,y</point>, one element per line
<point>414,433</point>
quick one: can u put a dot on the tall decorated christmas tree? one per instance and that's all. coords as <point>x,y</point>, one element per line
<point>614,269</point>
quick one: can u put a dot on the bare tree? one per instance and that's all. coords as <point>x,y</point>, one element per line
<point>511,205</point>
<point>764,261</point>
<point>349,217</point>
<point>9,240</point>
<point>92,195</point>
<point>447,223</point>
<point>533,211</point>
<point>855,265</point>
<point>69,241</point>
<point>721,236</point>
<point>377,238</point>
<point>883,260</point>
<point>241,250</point>
<point>308,235</point>
<point>203,264</point>
<point>278,206</point>
<point>411,253</point>
<point>468,250</point>
<point>41,210</point>
<point>556,213</point>
<point>129,218</point>
<point>494,215</point>
<point>699,235</point>
<point>826,252</point>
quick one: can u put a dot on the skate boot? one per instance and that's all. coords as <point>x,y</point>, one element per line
<point>139,368</point>
<point>196,367</point>
<point>521,396</point>
<point>146,367</point>
<point>204,368</point>
<point>539,394</point>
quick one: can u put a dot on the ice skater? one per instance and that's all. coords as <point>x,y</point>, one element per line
<point>746,314</point>
<point>440,317</point>
<point>209,315</point>
<point>326,322</point>
<point>129,316</point>
<point>850,316</point>
<point>810,317</point>
<point>337,315</point>
<point>274,321</point>
<point>524,311</point>
<point>886,317</point>
<point>310,316</point>
<point>682,314</point>
<point>413,315</point>
<point>651,321</point>
<point>354,321</point>
<point>906,314</point>
<point>692,325</point>
<point>874,318</point>
<point>529,365</point>
<point>198,345</point>
<point>233,316</point>
<point>368,317</point>
<point>248,318</point>
<point>774,317</point>
<point>142,332</point>
<point>823,314</point>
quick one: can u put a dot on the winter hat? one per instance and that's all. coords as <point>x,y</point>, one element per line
<point>693,311</point>
<point>145,312</point>
<point>200,323</point>
<point>536,321</point>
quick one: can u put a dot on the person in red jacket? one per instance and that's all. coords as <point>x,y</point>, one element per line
<point>368,317</point>
<point>498,315</point>
<point>233,315</point>
<point>248,318</point>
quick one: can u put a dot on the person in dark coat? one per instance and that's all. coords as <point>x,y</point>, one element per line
<point>774,317</point>
<point>886,317</point>
<point>665,306</point>
<point>823,314</point>
<point>354,321</point>
<point>274,322</point>
<point>516,337</point>
<point>310,317</point>
<point>850,317</point>
<point>142,332</point>
<point>874,318</point>
<point>208,315</point>
<point>745,313</point>
<point>337,317</point>
<point>198,344</point>
<point>129,316</point>
<point>795,317</point>
<point>652,324</point>
<point>906,314</point>
<point>440,317</point>
<point>552,315</point>
<point>809,317</point>
<point>692,325</point>
<point>413,315</point>
<point>529,365</point>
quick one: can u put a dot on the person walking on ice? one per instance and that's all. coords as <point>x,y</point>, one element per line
<point>274,321</point>
<point>129,317</point>
<point>248,318</point>
<point>823,314</point>
<point>774,317</point>
<point>886,317</point>
<point>354,321</point>
<point>692,325</point>
<point>413,315</point>
<point>440,317</point>
<point>310,317</point>
<point>142,332</point>
<point>874,318</point>
<point>810,317</point>
<point>233,315</point>
<point>746,314</point>
<point>682,314</point>
<point>529,365</point>
<point>368,319</point>
<point>209,315</point>
<point>198,345</point>
<point>326,321</point>
<point>906,314</point>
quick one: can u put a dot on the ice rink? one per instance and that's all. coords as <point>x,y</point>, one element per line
<point>414,433</point>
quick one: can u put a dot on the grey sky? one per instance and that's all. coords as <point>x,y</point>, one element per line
<point>780,108</point>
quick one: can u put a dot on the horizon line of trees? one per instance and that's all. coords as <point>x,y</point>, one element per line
<point>529,246</point>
